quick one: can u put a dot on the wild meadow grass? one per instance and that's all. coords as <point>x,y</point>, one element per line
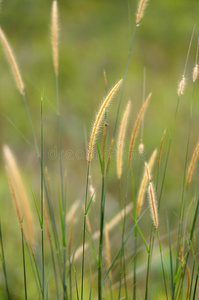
<point>91,248</point>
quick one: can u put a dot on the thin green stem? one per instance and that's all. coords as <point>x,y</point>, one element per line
<point>84,232</point>
<point>24,263</point>
<point>42,201</point>
<point>4,263</point>
<point>135,241</point>
<point>160,247</point>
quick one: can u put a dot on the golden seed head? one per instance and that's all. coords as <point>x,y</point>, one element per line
<point>20,190</point>
<point>140,10</point>
<point>12,62</point>
<point>54,35</point>
<point>192,165</point>
<point>98,119</point>
<point>181,86</point>
<point>153,204</point>
<point>120,145</point>
<point>195,72</point>
<point>143,185</point>
<point>141,148</point>
<point>136,127</point>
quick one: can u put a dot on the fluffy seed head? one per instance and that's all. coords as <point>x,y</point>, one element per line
<point>148,172</point>
<point>12,62</point>
<point>140,10</point>
<point>136,127</point>
<point>142,189</point>
<point>141,148</point>
<point>195,72</point>
<point>192,165</point>
<point>153,204</point>
<point>99,118</point>
<point>54,35</point>
<point>22,198</point>
<point>181,86</point>
<point>121,137</point>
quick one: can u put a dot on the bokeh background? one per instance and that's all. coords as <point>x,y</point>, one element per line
<point>94,36</point>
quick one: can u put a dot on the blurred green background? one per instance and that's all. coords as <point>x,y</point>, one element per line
<point>95,36</point>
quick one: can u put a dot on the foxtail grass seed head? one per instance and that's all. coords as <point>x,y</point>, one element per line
<point>153,204</point>
<point>120,145</point>
<point>140,11</point>
<point>21,194</point>
<point>141,148</point>
<point>148,172</point>
<point>143,185</point>
<point>192,165</point>
<point>136,127</point>
<point>12,62</point>
<point>98,119</point>
<point>195,73</point>
<point>54,35</point>
<point>181,86</point>
<point>14,196</point>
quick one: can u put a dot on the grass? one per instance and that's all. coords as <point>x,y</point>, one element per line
<point>111,247</point>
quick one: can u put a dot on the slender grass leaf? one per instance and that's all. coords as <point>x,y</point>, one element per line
<point>89,204</point>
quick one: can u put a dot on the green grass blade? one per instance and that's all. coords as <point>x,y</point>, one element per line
<point>171,261</point>
<point>119,251</point>
<point>2,294</point>
<point>179,269</point>
<point>87,209</point>
<point>4,263</point>
<point>24,263</point>
<point>36,206</point>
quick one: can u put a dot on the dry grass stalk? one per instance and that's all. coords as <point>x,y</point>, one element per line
<point>140,10</point>
<point>109,155</point>
<point>121,137</point>
<point>142,189</point>
<point>181,86</point>
<point>152,199</point>
<point>12,62</point>
<point>47,179</point>
<point>105,80</point>
<point>188,281</point>
<point>54,35</point>
<point>160,150</point>
<point>108,251</point>
<point>136,127</point>
<point>191,165</point>
<point>22,198</point>
<point>99,118</point>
